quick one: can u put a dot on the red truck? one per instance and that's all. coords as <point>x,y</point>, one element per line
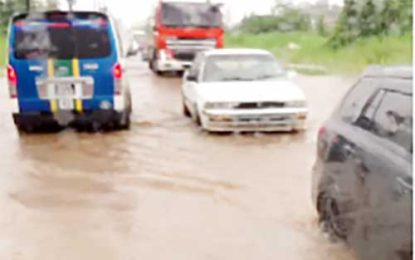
<point>180,30</point>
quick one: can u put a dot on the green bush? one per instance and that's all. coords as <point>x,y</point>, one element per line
<point>314,50</point>
<point>288,19</point>
<point>2,50</point>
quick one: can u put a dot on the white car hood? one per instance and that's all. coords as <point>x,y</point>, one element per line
<point>252,91</point>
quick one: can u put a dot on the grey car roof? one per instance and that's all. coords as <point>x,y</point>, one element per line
<point>398,71</point>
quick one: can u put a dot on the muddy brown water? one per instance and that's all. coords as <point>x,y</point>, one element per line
<point>165,189</point>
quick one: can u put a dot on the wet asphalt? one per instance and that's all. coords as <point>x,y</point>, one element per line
<point>165,189</point>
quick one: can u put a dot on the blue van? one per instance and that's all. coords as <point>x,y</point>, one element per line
<point>65,70</point>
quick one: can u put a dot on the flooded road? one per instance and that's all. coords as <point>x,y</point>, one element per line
<point>165,189</point>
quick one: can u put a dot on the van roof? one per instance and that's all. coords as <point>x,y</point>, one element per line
<point>66,14</point>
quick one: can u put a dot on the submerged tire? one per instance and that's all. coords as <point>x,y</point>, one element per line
<point>331,219</point>
<point>124,123</point>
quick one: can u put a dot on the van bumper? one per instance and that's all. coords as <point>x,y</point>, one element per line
<point>36,120</point>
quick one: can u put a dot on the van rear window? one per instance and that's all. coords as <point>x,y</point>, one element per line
<point>61,41</point>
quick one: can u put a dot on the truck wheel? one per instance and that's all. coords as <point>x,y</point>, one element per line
<point>125,119</point>
<point>331,219</point>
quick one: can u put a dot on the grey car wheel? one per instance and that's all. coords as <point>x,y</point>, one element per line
<point>331,219</point>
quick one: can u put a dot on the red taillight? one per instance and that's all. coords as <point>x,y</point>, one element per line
<point>59,25</point>
<point>321,132</point>
<point>12,78</point>
<point>321,145</point>
<point>11,75</point>
<point>19,24</point>
<point>117,72</point>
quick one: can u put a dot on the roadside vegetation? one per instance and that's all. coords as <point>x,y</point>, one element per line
<point>2,50</point>
<point>366,32</point>
<point>312,54</point>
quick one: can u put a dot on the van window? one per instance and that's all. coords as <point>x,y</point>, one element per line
<point>62,43</point>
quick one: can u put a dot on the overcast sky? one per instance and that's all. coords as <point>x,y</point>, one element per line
<point>133,12</point>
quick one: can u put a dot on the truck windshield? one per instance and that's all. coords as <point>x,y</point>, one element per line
<point>191,14</point>
<point>61,41</point>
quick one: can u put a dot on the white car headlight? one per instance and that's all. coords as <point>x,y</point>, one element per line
<point>296,103</point>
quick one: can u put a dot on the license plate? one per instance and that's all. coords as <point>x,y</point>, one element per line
<point>65,104</point>
<point>65,91</point>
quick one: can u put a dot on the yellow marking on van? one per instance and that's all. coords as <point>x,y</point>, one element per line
<point>53,103</point>
<point>77,74</point>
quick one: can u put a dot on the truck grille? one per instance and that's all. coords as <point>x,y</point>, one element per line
<point>260,105</point>
<point>191,44</point>
<point>185,56</point>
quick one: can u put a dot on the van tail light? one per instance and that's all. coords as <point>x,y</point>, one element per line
<point>12,78</point>
<point>117,73</point>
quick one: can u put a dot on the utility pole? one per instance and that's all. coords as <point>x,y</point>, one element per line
<point>28,6</point>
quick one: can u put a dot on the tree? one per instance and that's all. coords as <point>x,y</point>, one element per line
<point>368,19</point>
<point>347,29</point>
<point>10,7</point>
<point>406,15</point>
<point>321,26</point>
<point>389,16</point>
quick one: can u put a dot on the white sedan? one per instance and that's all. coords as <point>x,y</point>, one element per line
<point>242,90</point>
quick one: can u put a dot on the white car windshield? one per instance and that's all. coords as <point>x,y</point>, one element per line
<point>242,68</point>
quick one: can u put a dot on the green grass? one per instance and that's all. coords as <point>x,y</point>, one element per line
<point>314,50</point>
<point>2,50</point>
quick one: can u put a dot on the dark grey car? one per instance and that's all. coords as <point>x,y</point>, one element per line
<point>362,178</point>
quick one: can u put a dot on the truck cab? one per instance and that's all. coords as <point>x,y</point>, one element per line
<point>180,30</point>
